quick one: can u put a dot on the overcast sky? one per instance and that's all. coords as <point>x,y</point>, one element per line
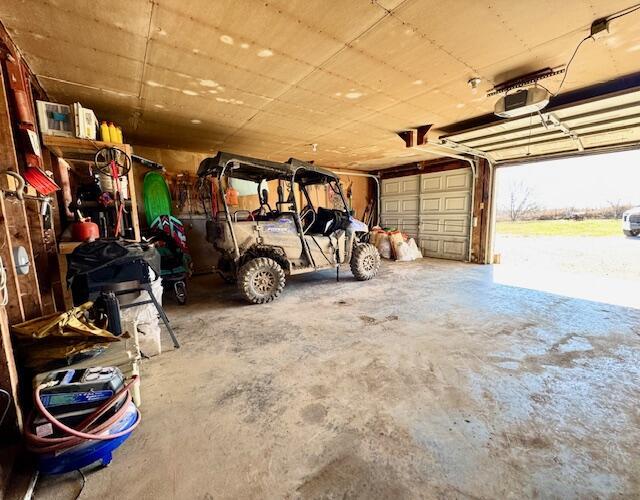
<point>585,182</point>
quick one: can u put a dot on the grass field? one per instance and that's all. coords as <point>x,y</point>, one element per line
<point>591,227</point>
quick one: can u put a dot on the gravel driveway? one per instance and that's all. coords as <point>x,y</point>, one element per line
<point>605,268</point>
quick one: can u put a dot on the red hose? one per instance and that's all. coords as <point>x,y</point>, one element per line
<point>43,445</point>
<point>46,445</point>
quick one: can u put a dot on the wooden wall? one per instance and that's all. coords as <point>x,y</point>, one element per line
<point>175,162</point>
<point>480,251</point>
<point>34,293</point>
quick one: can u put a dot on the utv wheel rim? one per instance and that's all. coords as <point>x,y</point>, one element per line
<point>263,282</point>
<point>368,263</point>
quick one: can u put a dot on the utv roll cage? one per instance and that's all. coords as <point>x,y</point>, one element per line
<point>254,169</point>
<point>293,171</point>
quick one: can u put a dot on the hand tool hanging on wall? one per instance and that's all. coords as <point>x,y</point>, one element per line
<point>192,192</point>
<point>148,163</point>
<point>182,186</point>
<point>206,193</point>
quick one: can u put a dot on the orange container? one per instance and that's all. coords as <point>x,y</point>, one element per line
<point>85,230</point>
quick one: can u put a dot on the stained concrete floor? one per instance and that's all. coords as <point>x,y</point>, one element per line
<point>430,381</point>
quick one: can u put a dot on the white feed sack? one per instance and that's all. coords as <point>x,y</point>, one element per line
<point>403,252</point>
<point>415,250</point>
<point>407,251</point>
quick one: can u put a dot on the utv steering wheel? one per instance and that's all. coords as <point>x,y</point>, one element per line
<point>259,213</point>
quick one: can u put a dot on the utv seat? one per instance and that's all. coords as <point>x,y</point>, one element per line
<point>274,216</point>
<point>327,221</point>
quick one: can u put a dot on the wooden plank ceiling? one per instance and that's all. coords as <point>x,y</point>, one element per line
<point>271,77</point>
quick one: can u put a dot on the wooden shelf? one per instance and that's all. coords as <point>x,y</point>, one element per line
<point>71,148</point>
<point>67,247</point>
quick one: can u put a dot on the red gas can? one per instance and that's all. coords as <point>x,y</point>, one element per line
<point>85,230</point>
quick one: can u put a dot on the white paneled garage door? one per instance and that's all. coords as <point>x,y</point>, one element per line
<point>401,204</point>
<point>445,202</point>
<point>433,208</point>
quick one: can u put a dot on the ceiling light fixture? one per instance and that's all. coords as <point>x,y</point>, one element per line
<point>473,83</point>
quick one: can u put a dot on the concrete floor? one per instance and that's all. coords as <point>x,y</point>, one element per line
<point>431,381</point>
<point>596,268</point>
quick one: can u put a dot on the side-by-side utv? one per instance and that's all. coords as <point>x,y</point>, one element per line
<point>259,248</point>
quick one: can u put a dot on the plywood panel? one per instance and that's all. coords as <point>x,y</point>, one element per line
<point>45,264</point>
<point>14,308</point>
<point>16,221</point>
<point>8,161</point>
<point>9,382</point>
<point>362,192</point>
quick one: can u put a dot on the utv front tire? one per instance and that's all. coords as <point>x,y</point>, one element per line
<point>261,280</point>
<point>365,261</point>
<point>632,233</point>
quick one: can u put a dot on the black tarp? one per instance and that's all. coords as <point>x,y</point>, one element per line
<point>95,264</point>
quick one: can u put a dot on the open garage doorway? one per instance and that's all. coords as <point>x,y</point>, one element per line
<point>560,227</point>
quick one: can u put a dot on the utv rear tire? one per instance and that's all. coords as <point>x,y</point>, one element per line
<point>365,261</point>
<point>261,280</point>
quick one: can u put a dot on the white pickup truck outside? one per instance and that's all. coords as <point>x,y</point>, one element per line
<point>631,222</point>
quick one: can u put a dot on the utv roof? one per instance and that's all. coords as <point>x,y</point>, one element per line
<point>255,169</point>
<point>307,173</point>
